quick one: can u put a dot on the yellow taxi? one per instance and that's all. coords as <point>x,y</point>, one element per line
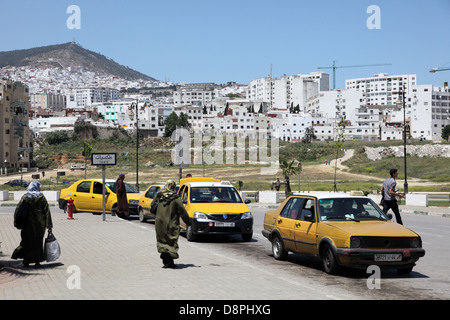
<point>342,230</point>
<point>146,200</point>
<point>215,207</point>
<point>87,195</point>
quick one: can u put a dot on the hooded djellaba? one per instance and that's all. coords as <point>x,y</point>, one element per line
<point>167,223</point>
<point>38,219</point>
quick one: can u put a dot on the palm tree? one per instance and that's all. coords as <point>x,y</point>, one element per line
<point>288,169</point>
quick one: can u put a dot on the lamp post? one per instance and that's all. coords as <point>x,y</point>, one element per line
<point>403,103</point>
<point>137,145</point>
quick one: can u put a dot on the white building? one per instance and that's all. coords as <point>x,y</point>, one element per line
<point>383,89</point>
<point>288,91</point>
<point>85,97</point>
<point>41,126</point>
<point>430,111</point>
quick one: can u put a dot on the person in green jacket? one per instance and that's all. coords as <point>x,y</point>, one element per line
<point>38,219</point>
<point>167,223</point>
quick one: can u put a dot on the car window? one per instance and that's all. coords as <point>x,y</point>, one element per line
<point>307,209</point>
<point>286,210</point>
<point>98,188</point>
<point>214,195</point>
<point>350,209</point>
<point>151,193</point>
<point>84,186</point>
<point>185,194</point>
<point>128,188</point>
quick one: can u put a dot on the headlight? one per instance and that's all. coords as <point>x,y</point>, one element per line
<point>355,242</point>
<point>247,215</point>
<point>415,243</point>
<point>200,215</point>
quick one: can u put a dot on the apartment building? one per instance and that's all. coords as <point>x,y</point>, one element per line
<point>430,111</point>
<point>15,134</point>
<point>288,91</point>
<point>51,102</point>
<point>383,89</point>
<point>194,95</point>
<point>85,97</point>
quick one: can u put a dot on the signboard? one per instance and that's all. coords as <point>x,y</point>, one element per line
<point>98,159</point>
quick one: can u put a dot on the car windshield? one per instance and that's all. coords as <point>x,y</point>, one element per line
<point>215,194</point>
<point>349,209</point>
<point>112,187</point>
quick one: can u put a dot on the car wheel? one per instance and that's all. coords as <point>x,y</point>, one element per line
<point>278,250</point>
<point>190,235</point>
<point>247,237</point>
<point>329,261</point>
<point>141,215</point>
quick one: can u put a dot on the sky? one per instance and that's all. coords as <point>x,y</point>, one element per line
<point>242,40</point>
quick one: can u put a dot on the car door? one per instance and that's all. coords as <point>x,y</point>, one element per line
<point>82,196</point>
<point>96,202</point>
<point>306,230</point>
<point>286,221</point>
<point>149,197</point>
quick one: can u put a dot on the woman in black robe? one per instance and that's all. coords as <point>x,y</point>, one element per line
<point>38,219</point>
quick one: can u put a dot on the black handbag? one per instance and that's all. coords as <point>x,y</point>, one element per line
<point>20,215</point>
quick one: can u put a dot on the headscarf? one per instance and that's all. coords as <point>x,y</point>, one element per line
<point>168,193</point>
<point>121,176</point>
<point>33,190</point>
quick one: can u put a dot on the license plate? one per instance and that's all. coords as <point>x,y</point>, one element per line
<point>224,224</point>
<point>388,257</point>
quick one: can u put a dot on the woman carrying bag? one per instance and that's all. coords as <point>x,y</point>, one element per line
<point>36,218</point>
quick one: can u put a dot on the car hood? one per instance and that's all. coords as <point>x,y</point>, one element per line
<point>372,228</point>
<point>133,196</point>
<point>218,207</point>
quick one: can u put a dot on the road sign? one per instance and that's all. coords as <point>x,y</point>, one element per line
<point>98,159</point>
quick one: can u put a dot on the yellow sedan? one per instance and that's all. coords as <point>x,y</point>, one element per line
<point>146,200</point>
<point>87,196</point>
<point>342,230</point>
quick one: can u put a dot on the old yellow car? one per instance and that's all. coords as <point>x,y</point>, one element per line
<point>146,200</point>
<point>342,230</point>
<point>87,195</point>
<point>215,207</point>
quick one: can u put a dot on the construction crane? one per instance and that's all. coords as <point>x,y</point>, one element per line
<point>334,67</point>
<point>439,69</point>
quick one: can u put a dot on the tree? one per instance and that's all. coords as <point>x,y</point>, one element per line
<point>339,142</point>
<point>173,121</point>
<point>57,137</point>
<point>288,169</point>
<point>446,132</point>
<point>87,150</point>
<point>309,135</point>
<point>171,124</point>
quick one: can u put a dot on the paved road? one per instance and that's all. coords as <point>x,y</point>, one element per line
<point>117,259</point>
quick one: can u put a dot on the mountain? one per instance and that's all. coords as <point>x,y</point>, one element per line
<point>67,55</point>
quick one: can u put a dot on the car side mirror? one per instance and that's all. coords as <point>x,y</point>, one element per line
<point>309,217</point>
<point>246,201</point>
<point>389,216</point>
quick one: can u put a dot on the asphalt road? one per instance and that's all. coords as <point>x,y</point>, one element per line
<point>428,280</point>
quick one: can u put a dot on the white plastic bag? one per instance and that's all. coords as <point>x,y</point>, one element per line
<point>52,250</point>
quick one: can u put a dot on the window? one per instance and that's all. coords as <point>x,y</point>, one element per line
<point>84,186</point>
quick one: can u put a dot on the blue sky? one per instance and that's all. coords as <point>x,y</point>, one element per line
<point>238,40</point>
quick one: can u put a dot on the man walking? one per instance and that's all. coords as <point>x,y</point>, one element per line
<point>389,192</point>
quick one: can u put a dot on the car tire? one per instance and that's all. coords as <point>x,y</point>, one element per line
<point>190,235</point>
<point>278,251</point>
<point>330,264</point>
<point>141,215</point>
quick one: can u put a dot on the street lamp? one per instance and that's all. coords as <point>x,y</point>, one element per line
<point>402,102</point>
<point>137,145</point>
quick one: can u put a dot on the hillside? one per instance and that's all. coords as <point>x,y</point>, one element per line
<point>67,55</point>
